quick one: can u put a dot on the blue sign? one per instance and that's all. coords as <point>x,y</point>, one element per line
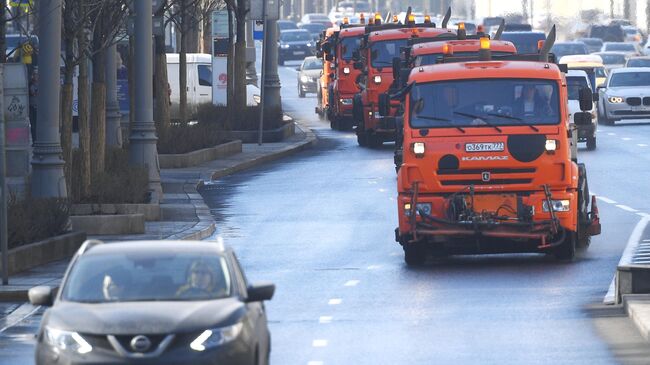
<point>258,30</point>
<point>123,95</point>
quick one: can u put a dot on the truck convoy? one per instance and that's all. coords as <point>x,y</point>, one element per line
<point>486,171</point>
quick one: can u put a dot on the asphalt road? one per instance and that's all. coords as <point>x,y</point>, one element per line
<point>320,225</point>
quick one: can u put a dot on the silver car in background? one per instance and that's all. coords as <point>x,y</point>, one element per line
<point>308,75</point>
<point>625,95</point>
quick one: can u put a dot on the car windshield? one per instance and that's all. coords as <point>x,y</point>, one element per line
<point>295,36</point>
<point>574,84</point>
<point>630,79</point>
<point>468,103</point>
<point>312,64</point>
<point>314,27</point>
<point>625,47</point>
<point>383,52</point>
<point>613,59</point>
<point>287,25</point>
<point>561,50</point>
<point>127,277</point>
<point>639,62</point>
<point>432,59</point>
<point>348,46</point>
<point>591,42</point>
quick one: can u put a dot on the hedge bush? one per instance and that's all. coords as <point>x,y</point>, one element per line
<point>33,219</point>
<point>249,121</point>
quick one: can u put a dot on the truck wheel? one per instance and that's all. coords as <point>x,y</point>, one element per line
<point>375,141</point>
<point>335,124</point>
<point>583,238</point>
<point>415,254</point>
<point>567,250</point>
<point>357,110</point>
<point>591,143</point>
<point>362,137</point>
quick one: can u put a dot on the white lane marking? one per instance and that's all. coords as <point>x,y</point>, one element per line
<point>646,240</point>
<point>606,200</point>
<point>335,301</point>
<point>351,283</point>
<point>626,208</point>
<point>396,254</point>
<point>611,134</point>
<point>626,138</point>
<point>637,232</point>
<point>642,145</point>
<point>315,363</point>
<point>20,314</point>
<point>319,343</point>
<point>373,267</point>
<point>382,190</point>
<point>325,319</point>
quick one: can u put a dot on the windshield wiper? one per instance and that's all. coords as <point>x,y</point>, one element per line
<point>426,117</point>
<point>479,117</point>
<point>515,119</point>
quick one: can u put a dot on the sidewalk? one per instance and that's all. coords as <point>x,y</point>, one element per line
<point>184,214</point>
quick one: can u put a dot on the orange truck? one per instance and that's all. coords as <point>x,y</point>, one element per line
<point>488,166</point>
<point>327,74</point>
<point>380,46</point>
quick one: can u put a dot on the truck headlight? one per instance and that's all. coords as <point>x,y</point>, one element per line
<point>615,99</point>
<point>66,340</point>
<point>419,207</point>
<point>216,337</point>
<point>377,79</point>
<point>418,149</point>
<point>346,70</point>
<point>346,101</point>
<point>558,205</point>
<point>551,145</point>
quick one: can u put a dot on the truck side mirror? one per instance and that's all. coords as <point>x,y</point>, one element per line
<point>358,65</point>
<point>397,66</point>
<point>355,55</point>
<point>329,58</point>
<point>326,47</point>
<point>384,104</point>
<point>582,118</point>
<point>586,99</point>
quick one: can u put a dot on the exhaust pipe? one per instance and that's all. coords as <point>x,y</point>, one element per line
<point>502,26</point>
<point>548,44</point>
<point>445,20</point>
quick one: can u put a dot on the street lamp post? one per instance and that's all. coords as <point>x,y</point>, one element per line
<point>142,149</point>
<point>48,179</point>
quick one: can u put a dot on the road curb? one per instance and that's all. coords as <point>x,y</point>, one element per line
<point>637,307</point>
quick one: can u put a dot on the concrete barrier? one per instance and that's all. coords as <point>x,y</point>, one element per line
<point>175,161</point>
<point>39,253</point>
<point>151,212</point>
<point>108,224</point>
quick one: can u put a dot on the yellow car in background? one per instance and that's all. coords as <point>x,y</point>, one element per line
<point>591,64</point>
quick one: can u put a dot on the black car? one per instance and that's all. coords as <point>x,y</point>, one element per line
<point>315,29</point>
<point>286,25</point>
<point>295,45</point>
<point>525,42</point>
<point>153,302</point>
<point>608,33</point>
<point>561,49</point>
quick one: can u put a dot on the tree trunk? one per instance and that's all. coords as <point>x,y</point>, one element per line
<point>240,60</point>
<point>206,40</point>
<point>66,98</point>
<point>84,127</point>
<point>230,61</point>
<point>182,79</point>
<point>131,75</point>
<point>191,25</point>
<point>98,111</point>
<point>3,34</point>
<point>161,95</point>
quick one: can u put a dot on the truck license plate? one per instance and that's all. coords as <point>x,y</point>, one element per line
<point>485,147</point>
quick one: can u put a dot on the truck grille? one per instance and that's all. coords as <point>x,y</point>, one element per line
<point>481,182</point>
<point>498,176</point>
<point>491,171</point>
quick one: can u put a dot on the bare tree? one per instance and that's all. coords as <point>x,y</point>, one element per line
<point>161,83</point>
<point>240,11</point>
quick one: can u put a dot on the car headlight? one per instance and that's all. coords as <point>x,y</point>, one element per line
<point>346,101</point>
<point>284,46</point>
<point>216,336</point>
<point>305,78</point>
<point>419,207</point>
<point>615,99</point>
<point>309,44</point>
<point>346,70</point>
<point>66,340</point>
<point>551,145</point>
<point>558,205</point>
<point>377,79</point>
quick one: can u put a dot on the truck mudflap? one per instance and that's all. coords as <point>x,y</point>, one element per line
<point>547,233</point>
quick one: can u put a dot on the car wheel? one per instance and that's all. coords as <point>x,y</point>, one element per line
<point>591,143</point>
<point>415,254</point>
<point>301,94</point>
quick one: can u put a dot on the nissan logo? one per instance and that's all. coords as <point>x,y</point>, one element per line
<point>485,176</point>
<point>140,343</point>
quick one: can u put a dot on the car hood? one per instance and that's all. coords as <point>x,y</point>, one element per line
<point>310,73</point>
<point>129,318</point>
<point>628,91</point>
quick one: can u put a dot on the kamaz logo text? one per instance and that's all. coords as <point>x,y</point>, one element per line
<point>485,158</point>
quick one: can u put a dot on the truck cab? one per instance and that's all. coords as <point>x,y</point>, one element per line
<point>344,86</point>
<point>327,55</point>
<point>487,164</point>
<point>378,50</point>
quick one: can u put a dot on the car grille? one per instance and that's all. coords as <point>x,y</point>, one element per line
<point>630,112</point>
<point>635,101</point>
<point>125,341</point>
<point>646,101</point>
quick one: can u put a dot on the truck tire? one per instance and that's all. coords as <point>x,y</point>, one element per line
<point>362,137</point>
<point>566,251</point>
<point>583,238</point>
<point>415,254</point>
<point>591,143</point>
<point>357,110</point>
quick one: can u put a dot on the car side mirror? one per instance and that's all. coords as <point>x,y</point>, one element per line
<point>384,104</point>
<point>582,118</point>
<point>358,65</point>
<point>260,292</point>
<point>40,295</point>
<point>298,68</point>
<point>585,96</point>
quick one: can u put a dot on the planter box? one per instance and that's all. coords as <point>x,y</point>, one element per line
<point>108,224</point>
<point>39,253</point>
<point>151,212</point>
<point>273,135</point>
<point>198,157</point>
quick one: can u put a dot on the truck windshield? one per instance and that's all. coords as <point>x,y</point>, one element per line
<point>626,79</point>
<point>348,46</point>
<point>574,84</point>
<point>484,102</point>
<point>383,52</point>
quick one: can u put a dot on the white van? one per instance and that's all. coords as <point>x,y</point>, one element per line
<point>199,83</point>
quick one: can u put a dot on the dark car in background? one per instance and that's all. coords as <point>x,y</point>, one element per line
<point>154,302</point>
<point>593,44</point>
<point>561,49</point>
<point>643,61</point>
<point>608,33</point>
<point>518,27</point>
<point>286,25</point>
<point>313,18</point>
<point>525,42</point>
<point>315,29</point>
<point>295,45</point>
